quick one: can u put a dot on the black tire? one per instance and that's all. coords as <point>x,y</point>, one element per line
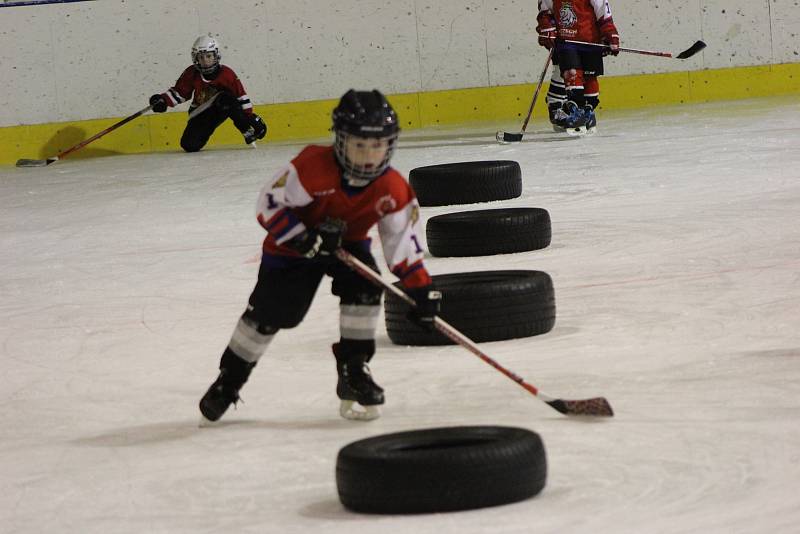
<point>441,470</point>
<point>484,306</point>
<point>485,232</point>
<point>466,183</point>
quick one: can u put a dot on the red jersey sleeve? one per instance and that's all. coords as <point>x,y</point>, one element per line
<point>183,88</point>
<point>228,80</point>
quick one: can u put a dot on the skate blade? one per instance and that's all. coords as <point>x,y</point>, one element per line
<point>206,423</point>
<point>353,411</point>
<point>580,131</point>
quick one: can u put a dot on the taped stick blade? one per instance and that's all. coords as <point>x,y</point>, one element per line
<point>692,50</point>
<point>596,407</point>
<point>506,137</point>
<point>35,162</point>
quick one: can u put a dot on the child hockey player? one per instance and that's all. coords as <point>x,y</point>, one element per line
<point>329,197</point>
<point>218,95</point>
<point>560,21</point>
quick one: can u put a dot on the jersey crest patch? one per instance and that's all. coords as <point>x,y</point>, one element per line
<point>414,214</point>
<point>281,181</point>
<point>385,204</point>
<point>204,94</point>
<point>567,16</point>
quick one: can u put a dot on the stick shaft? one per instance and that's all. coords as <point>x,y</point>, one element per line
<point>98,135</point>
<point>621,49</point>
<point>595,407</point>
<point>441,325</point>
<point>538,88</point>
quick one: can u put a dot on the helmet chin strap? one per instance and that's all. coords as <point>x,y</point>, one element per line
<point>352,181</point>
<point>208,76</point>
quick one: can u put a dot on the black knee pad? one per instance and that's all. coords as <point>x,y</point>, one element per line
<point>356,290</point>
<point>267,320</point>
<point>191,143</point>
<point>364,298</point>
<point>191,147</point>
<point>252,319</point>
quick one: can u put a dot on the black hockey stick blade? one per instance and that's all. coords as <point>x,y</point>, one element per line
<point>506,137</point>
<point>597,407</point>
<point>692,50</point>
<point>35,162</point>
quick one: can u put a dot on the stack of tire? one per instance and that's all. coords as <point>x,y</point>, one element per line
<point>485,305</point>
<point>461,468</point>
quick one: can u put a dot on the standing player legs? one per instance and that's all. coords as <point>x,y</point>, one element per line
<point>359,310</point>
<point>281,299</point>
<point>556,94</point>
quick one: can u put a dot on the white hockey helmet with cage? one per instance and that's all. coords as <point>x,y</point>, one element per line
<point>204,48</point>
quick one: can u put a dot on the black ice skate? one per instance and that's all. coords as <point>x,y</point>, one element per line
<point>256,130</point>
<point>250,136</point>
<point>355,386</point>
<point>573,118</point>
<point>225,390</point>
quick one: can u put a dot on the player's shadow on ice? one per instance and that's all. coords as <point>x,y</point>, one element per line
<point>137,436</point>
<point>456,140</point>
<point>329,509</point>
<point>67,138</point>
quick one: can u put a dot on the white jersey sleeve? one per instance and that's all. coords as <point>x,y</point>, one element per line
<point>275,201</point>
<point>601,9</point>
<point>398,232</point>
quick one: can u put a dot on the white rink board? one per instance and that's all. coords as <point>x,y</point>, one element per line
<point>100,59</point>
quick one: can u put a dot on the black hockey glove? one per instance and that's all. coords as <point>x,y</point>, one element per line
<point>259,127</point>
<point>158,103</point>
<point>429,304</point>
<point>320,242</point>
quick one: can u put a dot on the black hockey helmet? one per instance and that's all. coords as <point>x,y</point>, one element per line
<point>365,114</point>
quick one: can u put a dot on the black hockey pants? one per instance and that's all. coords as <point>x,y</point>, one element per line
<point>199,128</point>
<point>283,295</point>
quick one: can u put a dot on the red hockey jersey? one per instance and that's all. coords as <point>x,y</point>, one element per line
<point>309,190</point>
<point>578,20</point>
<point>191,82</point>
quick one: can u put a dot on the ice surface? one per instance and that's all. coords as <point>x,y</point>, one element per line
<point>676,264</point>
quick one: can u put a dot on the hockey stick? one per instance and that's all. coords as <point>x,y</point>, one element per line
<point>506,137</point>
<point>597,406</point>
<point>686,54</point>
<point>61,155</point>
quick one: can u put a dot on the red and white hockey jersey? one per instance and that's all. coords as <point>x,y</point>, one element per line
<point>191,82</point>
<point>309,190</point>
<point>578,20</point>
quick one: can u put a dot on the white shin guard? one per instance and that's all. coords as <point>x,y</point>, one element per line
<point>248,343</point>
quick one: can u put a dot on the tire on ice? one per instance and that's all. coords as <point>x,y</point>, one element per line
<point>486,232</point>
<point>466,182</point>
<point>441,470</point>
<point>484,306</point>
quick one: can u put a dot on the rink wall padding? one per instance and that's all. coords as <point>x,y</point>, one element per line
<point>311,119</point>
